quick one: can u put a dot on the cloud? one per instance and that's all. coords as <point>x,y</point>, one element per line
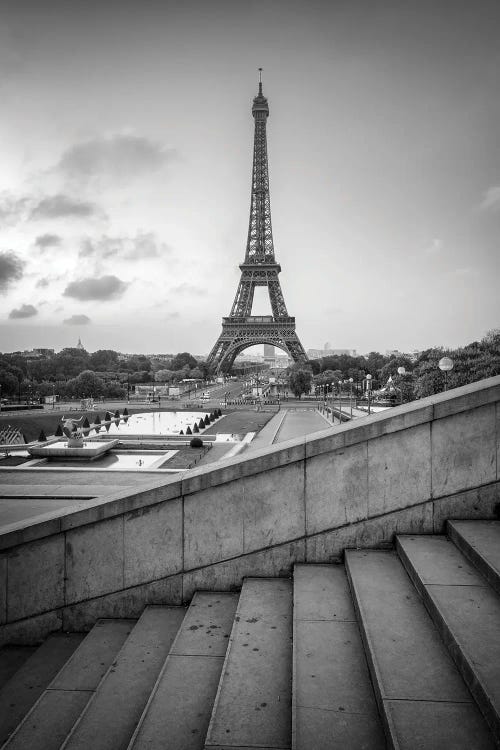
<point>491,199</point>
<point>118,157</point>
<point>25,311</point>
<point>464,272</point>
<point>42,283</point>
<point>48,240</point>
<point>11,268</point>
<point>144,245</point>
<point>77,320</point>
<point>61,206</point>
<point>187,288</point>
<point>103,288</point>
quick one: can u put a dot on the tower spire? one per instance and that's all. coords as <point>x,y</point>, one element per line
<point>260,81</point>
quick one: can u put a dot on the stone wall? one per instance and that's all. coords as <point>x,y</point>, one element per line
<point>356,485</point>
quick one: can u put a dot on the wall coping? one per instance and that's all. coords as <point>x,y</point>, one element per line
<point>333,438</point>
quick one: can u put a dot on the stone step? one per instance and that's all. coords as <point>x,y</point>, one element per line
<point>422,698</point>
<point>480,543</point>
<point>466,611</point>
<point>11,659</point>
<point>30,680</point>
<point>110,717</point>
<point>52,717</point>
<point>179,709</point>
<point>253,703</point>
<point>333,704</point>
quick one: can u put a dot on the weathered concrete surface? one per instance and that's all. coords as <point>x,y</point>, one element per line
<point>35,578</point>
<point>465,609</point>
<point>253,704</point>
<point>51,718</point>
<point>25,687</point>
<point>111,716</point>
<point>332,701</point>
<point>303,500</point>
<point>480,543</point>
<point>179,710</point>
<point>408,660</point>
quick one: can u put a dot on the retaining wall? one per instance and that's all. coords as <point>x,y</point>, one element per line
<point>356,485</point>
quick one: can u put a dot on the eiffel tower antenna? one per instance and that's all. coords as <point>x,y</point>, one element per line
<point>242,329</point>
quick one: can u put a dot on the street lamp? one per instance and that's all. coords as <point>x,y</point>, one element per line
<point>401,372</point>
<point>351,381</point>
<point>445,365</point>
<point>368,389</point>
<point>331,395</point>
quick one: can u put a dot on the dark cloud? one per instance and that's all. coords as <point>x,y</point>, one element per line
<point>47,240</point>
<point>42,283</point>
<point>77,320</point>
<point>62,206</point>
<point>25,311</point>
<point>103,288</point>
<point>144,245</point>
<point>118,157</point>
<point>11,268</point>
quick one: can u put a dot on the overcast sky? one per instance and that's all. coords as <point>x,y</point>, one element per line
<point>126,147</point>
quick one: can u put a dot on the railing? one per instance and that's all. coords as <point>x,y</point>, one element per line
<point>258,319</point>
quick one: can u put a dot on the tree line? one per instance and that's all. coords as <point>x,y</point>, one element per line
<point>76,373</point>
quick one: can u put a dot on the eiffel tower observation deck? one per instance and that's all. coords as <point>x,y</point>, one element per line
<point>241,329</point>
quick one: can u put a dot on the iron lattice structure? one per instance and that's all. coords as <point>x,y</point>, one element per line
<point>242,329</point>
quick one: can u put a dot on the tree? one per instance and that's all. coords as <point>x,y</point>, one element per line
<point>300,381</point>
<point>86,384</point>
<point>104,359</point>
<point>183,359</point>
<point>70,362</point>
<point>8,382</point>
<point>163,376</point>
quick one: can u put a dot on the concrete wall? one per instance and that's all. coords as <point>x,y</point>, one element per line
<point>355,485</point>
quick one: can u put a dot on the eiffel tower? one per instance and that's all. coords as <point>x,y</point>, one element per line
<point>242,329</point>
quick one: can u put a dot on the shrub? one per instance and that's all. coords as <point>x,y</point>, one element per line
<point>201,424</point>
<point>58,432</point>
<point>85,423</point>
<point>196,442</point>
<point>189,431</point>
<point>41,437</point>
<point>97,419</point>
<point>182,432</point>
<point>125,412</point>
<point>117,414</point>
<point>107,417</point>
<point>196,428</point>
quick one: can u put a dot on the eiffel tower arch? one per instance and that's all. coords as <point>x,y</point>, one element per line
<point>241,329</point>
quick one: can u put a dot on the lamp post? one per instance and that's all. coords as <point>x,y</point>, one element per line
<point>401,372</point>
<point>340,401</point>
<point>331,397</point>
<point>351,380</point>
<point>368,390</point>
<point>445,365</point>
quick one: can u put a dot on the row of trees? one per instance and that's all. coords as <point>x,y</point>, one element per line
<point>473,362</point>
<point>77,373</point>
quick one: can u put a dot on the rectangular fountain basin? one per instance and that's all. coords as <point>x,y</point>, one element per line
<point>89,451</point>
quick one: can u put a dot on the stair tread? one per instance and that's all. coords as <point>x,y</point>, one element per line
<point>333,700</point>
<point>178,712</point>
<point>52,716</point>
<point>480,542</point>
<point>408,660</point>
<point>11,659</point>
<point>253,703</point>
<point>27,684</point>
<point>110,718</point>
<point>468,616</point>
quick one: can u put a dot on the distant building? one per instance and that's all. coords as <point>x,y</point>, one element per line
<point>80,345</point>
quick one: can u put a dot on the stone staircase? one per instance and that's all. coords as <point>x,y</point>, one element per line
<point>395,648</point>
